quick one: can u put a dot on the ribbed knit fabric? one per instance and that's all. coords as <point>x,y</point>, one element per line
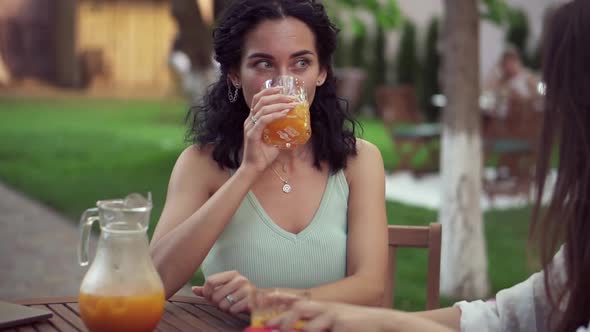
<point>269,256</point>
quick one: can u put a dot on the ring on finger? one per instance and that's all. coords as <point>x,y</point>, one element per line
<point>253,118</point>
<point>230,298</point>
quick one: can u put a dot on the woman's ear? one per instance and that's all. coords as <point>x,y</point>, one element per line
<point>234,78</point>
<point>322,77</point>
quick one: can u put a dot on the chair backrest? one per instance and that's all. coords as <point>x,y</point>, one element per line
<point>417,237</point>
<point>397,104</point>
<point>522,122</point>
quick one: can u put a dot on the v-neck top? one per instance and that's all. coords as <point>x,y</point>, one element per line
<point>269,256</point>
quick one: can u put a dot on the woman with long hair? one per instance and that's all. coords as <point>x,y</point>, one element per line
<point>323,235</point>
<point>557,298</point>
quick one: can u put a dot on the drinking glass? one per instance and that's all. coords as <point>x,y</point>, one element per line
<point>266,304</point>
<point>295,128</point>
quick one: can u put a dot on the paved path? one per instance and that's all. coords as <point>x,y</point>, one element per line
<point>37,250</point>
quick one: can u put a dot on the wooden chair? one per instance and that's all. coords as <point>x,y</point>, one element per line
<point>397,104</point>
<point>514,140</point>
<point>417,237</point>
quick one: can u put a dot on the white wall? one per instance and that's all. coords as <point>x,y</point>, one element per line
<point>420,11</point>
<point>535,10</point>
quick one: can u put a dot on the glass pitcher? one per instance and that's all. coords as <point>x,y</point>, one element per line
<point>122,291</point>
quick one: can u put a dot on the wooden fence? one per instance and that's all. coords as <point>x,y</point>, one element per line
<point>125,44</point>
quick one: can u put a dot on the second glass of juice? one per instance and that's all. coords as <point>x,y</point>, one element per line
<point>266,304</point>
<point>295,128</point>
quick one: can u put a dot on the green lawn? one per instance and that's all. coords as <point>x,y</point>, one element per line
<point>69,153</point>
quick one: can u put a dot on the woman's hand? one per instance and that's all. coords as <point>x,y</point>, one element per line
<point>230,291</point>
<point>267,105</point>
<point>335,317</point>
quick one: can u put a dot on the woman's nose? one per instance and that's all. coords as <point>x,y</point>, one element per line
<point>284,71</point>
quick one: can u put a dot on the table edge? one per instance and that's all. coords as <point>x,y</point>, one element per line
<point>73,299</point>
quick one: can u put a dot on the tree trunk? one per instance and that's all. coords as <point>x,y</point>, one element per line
<point>194,37</point>
<point>67,67</point>
<point>464,260</point>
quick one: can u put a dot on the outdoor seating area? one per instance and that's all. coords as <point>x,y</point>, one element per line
<point>289,165</point>
<point>509,143</point>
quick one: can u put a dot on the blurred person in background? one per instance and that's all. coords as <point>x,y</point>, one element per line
<point>512,84</point>
<point>558,297</point>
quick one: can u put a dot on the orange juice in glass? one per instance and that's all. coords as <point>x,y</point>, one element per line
<point>295,128</point>
<point>266,304</point>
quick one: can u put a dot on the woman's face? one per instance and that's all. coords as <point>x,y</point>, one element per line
<point>279,47</point>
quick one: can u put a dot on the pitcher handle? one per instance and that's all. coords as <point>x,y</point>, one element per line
<point>86,222</point>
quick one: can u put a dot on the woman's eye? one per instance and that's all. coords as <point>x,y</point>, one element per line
<point>302,63</point>
<point>263,65</point>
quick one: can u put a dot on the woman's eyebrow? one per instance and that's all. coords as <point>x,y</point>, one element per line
<point>300,53</point>
<point>268,56</point>
<point>260,55</point>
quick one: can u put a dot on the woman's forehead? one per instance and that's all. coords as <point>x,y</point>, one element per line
<point>279,37</point>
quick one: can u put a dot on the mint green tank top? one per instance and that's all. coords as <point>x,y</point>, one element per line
<point>269,256</point>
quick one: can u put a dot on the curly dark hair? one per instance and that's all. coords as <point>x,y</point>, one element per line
<point>219,123</point>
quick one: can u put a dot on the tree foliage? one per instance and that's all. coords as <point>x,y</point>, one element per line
<point>496,11</point>
<point>407,58</point>
<point>387,13</point>
<point>430,72</point>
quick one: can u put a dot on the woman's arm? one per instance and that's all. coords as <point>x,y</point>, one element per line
<point>449,317</point>
<point>196,212</point>
<point>325,316</point>
<point>191,221</point>
<point>367,234</point>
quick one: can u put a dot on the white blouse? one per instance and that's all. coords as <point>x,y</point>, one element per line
<point>523,307</point>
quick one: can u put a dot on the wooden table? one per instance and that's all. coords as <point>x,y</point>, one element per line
<point>182,314</point>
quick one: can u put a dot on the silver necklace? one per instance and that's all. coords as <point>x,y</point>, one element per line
<point>286,186</point>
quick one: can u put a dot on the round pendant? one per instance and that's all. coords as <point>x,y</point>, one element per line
<point>287,188</point>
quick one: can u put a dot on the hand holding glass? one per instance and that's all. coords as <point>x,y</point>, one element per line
<point>295,128</point>
<point>266,304</point>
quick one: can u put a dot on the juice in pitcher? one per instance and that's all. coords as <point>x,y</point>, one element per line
<point>139,313</point>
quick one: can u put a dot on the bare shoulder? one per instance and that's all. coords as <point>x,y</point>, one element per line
<point>196,165</point>
<point>367,161</point>
<point>196,154</point>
